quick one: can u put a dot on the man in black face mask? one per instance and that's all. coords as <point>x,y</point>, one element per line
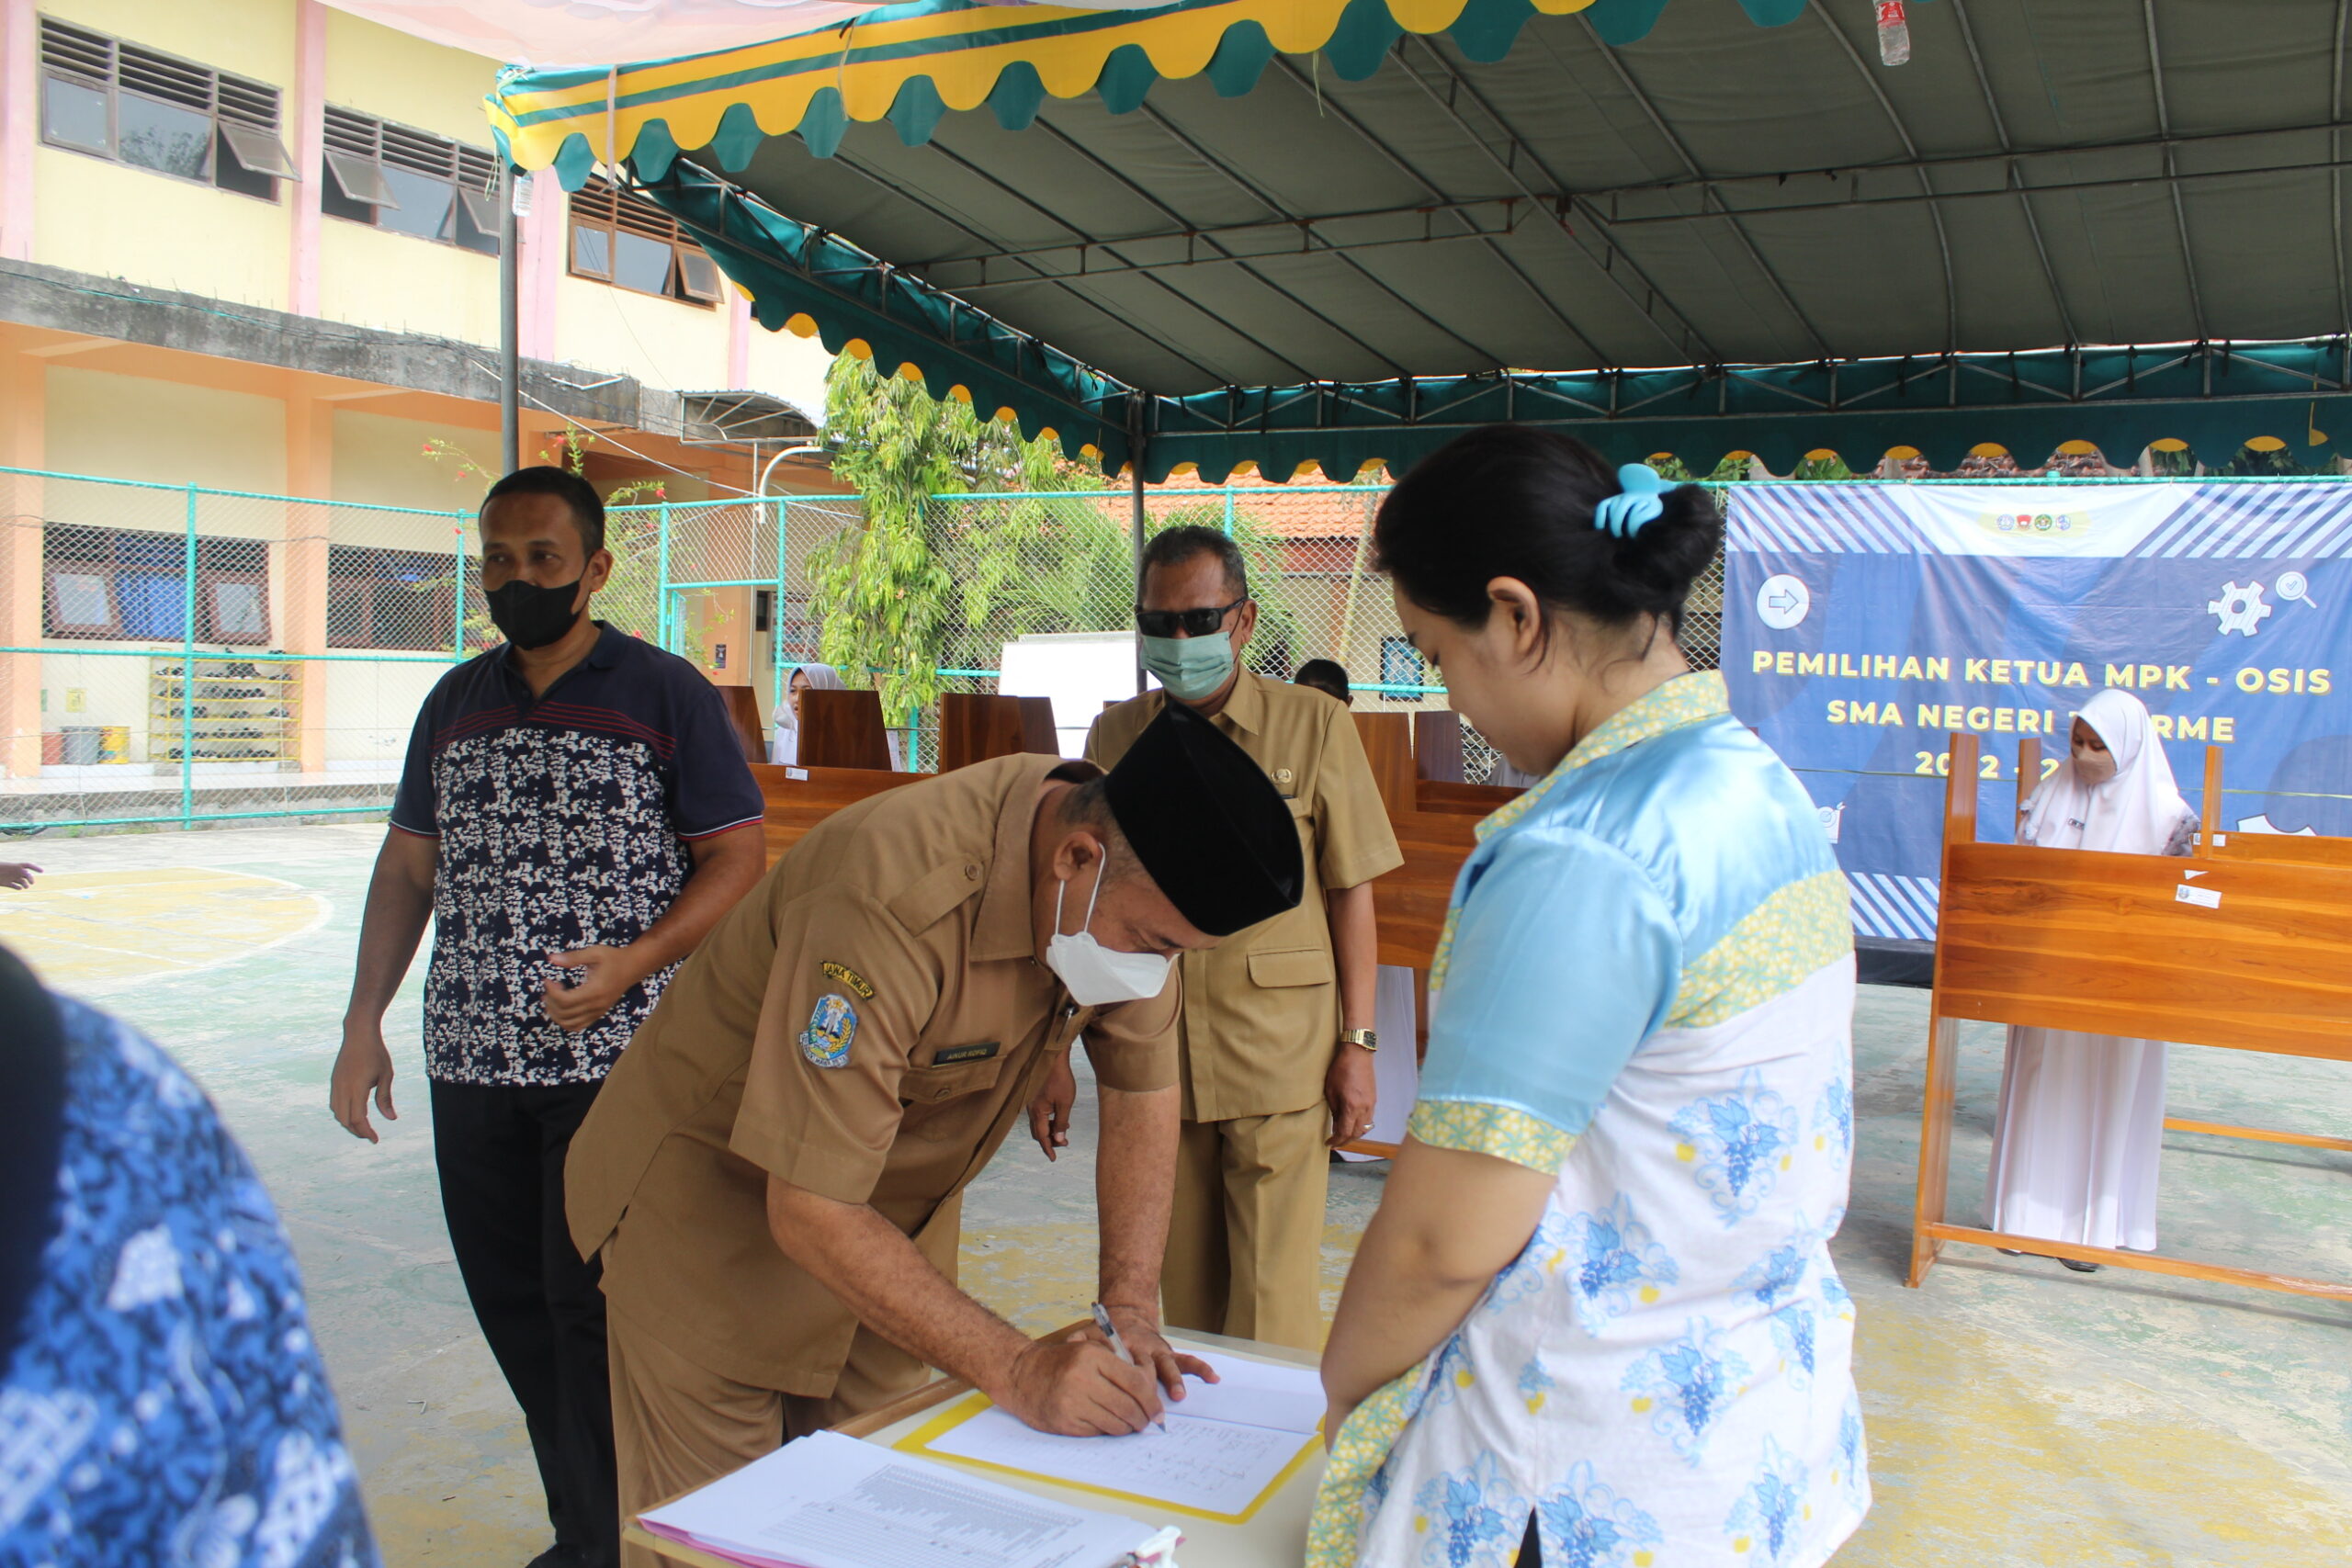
<point>575,814</point>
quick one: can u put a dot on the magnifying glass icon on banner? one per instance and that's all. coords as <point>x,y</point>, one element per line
<point>2294,586</point>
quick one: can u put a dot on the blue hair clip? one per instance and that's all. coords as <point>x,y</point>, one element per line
<point>1638,500</point>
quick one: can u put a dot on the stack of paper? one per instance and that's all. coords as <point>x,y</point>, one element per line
<point>1228,1444</point>
<point>833,1502</point>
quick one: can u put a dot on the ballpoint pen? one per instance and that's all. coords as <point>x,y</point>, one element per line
<point>1119,1348</point>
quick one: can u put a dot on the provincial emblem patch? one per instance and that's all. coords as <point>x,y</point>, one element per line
<point>832,1024</point>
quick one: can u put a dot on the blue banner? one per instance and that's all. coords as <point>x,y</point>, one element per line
<point>1864,623</point>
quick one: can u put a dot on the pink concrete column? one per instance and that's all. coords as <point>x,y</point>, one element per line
<point>306,109</point>
<point>19,124</point>
<point>24,398</point>
<point>300,564</point>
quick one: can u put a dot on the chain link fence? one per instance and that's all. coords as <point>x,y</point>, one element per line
<point>172,654</point>
<point>175,656</point>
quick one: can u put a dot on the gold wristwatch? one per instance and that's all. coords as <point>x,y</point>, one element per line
<point>1363,1037</point>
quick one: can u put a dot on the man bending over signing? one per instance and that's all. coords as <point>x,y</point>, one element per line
<point>773,1174</point>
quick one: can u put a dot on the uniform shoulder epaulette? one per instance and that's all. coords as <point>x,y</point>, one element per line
<point>930,896</point>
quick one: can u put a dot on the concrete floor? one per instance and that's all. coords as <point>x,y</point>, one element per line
<point>2018,1414</point>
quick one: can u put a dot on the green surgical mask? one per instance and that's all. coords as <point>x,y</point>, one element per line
<point>1190,668</point>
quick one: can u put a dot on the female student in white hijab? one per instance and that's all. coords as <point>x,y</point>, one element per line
<point>2077,1142</point>
<point>784,749</point>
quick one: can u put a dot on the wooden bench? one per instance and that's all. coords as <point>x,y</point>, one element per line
<point>2248,956</point>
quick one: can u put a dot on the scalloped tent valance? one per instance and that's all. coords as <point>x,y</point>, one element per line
<point>2119,400</point>
<point>911,64</point>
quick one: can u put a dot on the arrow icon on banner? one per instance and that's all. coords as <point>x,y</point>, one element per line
<point>1781,601</point>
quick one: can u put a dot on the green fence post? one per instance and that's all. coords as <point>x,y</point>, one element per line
<point>776,616</point>
<point>1229,512</point>
<point>661,581</point>
<point>188,668</point>
<point>457,588</point>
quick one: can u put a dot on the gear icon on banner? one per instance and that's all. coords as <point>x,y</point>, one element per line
<point>2239,609</point>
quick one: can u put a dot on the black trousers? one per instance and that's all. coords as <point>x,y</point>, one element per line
<point>500,1152</point>
<point>1531,1550</point>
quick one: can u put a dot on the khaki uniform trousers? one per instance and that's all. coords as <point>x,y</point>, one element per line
<point>1245,1236</point>
<point>677,1426</point>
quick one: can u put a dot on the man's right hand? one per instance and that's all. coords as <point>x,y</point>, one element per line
<point>1079,1387</point>
<point>362,1068</point>
<point>1049,1109</point>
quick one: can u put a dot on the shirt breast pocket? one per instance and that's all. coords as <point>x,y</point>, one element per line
<point>1291,966</point>
<point>926,1087</point>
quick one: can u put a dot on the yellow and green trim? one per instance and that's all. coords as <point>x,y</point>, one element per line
<point>1480,1127</point>
<point>911,64</point>
<point>1797,930</point>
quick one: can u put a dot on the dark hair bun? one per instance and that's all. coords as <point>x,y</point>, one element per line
<point>1510,500</point>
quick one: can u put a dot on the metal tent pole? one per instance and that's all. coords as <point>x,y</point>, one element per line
<point>1135,473</point>
<point>510,346</point>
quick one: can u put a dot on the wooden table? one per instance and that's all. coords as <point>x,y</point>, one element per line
<point>1275,1537</point>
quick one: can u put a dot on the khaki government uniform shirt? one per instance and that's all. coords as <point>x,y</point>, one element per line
<point>868,1023</point>
<point>1261,1008</point>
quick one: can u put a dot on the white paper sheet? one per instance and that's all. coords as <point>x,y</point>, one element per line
<point>1253,1393</point>
<point>829,1501</point>
<point>1225,1443</point>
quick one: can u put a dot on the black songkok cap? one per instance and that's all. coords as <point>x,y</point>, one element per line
<point>1207,823</point>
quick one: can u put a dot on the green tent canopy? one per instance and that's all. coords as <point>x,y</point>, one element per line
<point>1303,234</point>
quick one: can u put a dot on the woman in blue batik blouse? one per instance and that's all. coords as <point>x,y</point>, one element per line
<point>1594,1322</point>
<point>161,1399</point>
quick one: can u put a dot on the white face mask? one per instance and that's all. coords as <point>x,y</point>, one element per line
<point>1098,976</point>
<point>2094,768</point>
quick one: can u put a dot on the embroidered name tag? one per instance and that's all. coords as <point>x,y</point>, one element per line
<point>832,1025</point>
<point>952,1054</point>
<point>848,977</point>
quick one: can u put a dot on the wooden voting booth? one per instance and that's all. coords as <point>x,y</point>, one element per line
<point>743,712</point>
<point>2213,843</point>
<point>842,730</point>
<point>974,727</point>
<point>2243,954</point>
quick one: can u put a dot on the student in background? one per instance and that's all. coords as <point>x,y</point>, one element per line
<point>785,750</point>
<point>1327,676</point>
<point>161,1398</point>
<point>2081,1126</point>
<point>1595,1317</point>
<point>574,816</point>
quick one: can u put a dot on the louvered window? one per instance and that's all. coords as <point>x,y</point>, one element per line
<point>156,111</point>
<point>410,181</point>
<point>623,239</point>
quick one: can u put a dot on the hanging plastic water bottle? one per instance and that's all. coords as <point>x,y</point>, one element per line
<point>1893,33</point>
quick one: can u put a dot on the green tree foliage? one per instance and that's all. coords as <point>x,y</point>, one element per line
<point>937,580</point>
<point>886,594</point>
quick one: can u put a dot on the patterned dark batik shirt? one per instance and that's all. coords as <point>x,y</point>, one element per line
<point>563,821</point>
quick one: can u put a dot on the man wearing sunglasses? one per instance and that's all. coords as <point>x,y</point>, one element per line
<point>1275,1039</point>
